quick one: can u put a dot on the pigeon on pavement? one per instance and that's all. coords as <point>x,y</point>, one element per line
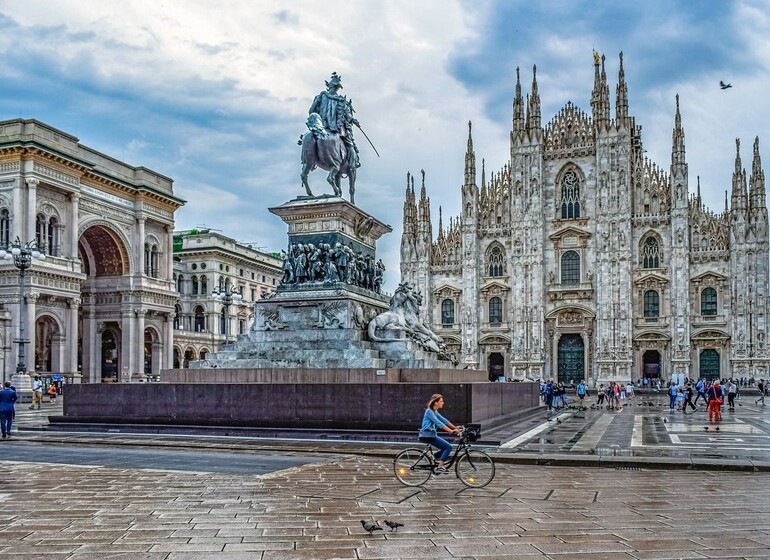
<point>394,525</point>
<point>370,527</point>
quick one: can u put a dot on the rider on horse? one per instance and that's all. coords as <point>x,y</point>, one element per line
<point>336,112</point>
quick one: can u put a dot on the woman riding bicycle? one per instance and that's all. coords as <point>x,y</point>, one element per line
<point>432,421</point>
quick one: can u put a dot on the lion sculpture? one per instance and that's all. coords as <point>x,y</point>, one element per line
<point>403,315</point>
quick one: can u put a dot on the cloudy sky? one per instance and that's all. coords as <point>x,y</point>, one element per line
<point>215,94</point>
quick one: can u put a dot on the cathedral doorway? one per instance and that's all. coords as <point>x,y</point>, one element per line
<point>571,358</point>
<point>651,364</point>
<point>709,364</point>
<point>496,367</point>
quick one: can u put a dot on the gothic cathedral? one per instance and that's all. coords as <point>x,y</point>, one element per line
<point>582,259</point>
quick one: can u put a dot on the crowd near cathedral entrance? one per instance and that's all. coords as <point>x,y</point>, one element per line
<point>99,307</point>
<point>587,259</point>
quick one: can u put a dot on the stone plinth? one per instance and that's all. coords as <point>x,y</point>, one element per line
<point>331,219</point>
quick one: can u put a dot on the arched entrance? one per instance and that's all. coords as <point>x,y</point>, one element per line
<point>176,358</point>
<point>651,364</point>
<point>189,356</point>
<point>496,365</point>
<point>110,354</point>
<point>152,351</point>
<point>709,364</point>
<point>571,366</point>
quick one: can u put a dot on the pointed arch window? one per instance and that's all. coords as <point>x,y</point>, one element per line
<point>570,196</point>
<point>496,261</point>
<point>570,268</point>
<point>447,312</point>
<point>5,227</point>
<point>708,302</point>
<point>495,311</point>
<point>651,254</point>
<point>651,304</point>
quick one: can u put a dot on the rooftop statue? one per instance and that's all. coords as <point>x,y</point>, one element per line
<point>329,142</point>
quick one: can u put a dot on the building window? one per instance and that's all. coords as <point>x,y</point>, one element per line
<point>570,268</point>
<point>180,284</point>
<point>496,261</point>
<point>5,228</point>
<point>651,304</point>
<point>495,310</point>
<point>194,281</point>
<point>204,285</point>
<point>200,320</point>
<point>253,294</point>
<point>708,302</point>
<point>650,253</point>
<point>154,260</point>
<point>447,312</point>
<point>241,326</point>
<point>570,196</point>
<point>177,317</point>
<point>40,233</point>
<point>53,237</point>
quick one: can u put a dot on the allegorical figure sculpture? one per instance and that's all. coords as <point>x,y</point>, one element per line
<point>403,316</point>
<point>329,142</point>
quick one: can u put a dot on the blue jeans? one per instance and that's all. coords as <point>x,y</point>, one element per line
<point>671,401</point>
<point>444,447</point>
<point>6,419</point>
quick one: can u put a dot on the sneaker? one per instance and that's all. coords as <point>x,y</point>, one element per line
<point>440,471</point>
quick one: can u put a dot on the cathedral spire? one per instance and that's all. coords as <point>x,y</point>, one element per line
<point>621,98</point>
<point>739,195</point>
<point>518,109</point>
<point>470,159</point>
<point>600,95</point>
<point>440,224</point>
<point>533,112</point>
<point>757,181</point>
<point>483,173</point>
<point>677,142</point>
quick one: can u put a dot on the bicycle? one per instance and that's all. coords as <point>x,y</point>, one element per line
<point>474,468</point>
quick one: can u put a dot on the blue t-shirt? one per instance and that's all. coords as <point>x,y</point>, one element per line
<point>431,422</point>
<point>581,389</point>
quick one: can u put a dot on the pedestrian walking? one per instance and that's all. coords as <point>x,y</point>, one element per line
<point>732,390</point>
<point>582,392</point>
<point>672,394</point>
<point>715,402</point>
<point>52,392</point>
<point>7,409</point>
<point>600,393</point>
<point>700,388</point>
<point>688,393</point>
<point>761,389</point>
<point>37,392</point>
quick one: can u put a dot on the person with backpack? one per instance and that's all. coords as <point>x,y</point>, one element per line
<point>700,387</point>
<point>673,392</point>
<point>582,392</point>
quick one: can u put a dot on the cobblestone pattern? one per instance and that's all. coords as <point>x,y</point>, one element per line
<point>56,512</point>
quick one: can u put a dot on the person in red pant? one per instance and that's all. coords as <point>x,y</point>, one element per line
<point>714,395</point>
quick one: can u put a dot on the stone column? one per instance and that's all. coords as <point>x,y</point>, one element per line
<point>31,208</point>
<point>139,251</point>
<point>74,219</point>
<point>87,366</point>
<point>72,337</point>
<point>126,345</point>
<point>96,351</point>
<point>168,336</point>
<point>29,330</point>
<point>137,372</point>
<point>58,347</point>
<point>17,217</point>
<point>169,275</point>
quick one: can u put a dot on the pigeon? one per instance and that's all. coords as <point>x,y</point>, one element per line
<point>370,527</point>
<point>717,428</point>
<point>558,421</point>
<point>724,85</point>
<point>665,420</point>
<point>394,525</point>
<point>706,428</point>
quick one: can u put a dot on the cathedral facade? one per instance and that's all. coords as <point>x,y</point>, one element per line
<point>582,259</point>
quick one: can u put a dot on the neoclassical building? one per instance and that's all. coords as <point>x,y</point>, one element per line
<point>581,258</point>
<point>100,307</point>
<point>206,261</point>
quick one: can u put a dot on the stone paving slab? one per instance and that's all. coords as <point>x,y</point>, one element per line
<point>314,512</point>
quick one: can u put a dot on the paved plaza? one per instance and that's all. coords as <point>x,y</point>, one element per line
<point>55,512</point>
<point>76,496</point>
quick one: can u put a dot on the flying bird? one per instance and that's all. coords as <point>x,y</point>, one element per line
<point>724,85</point>
<point>370,527</point>
<point>394,525</point>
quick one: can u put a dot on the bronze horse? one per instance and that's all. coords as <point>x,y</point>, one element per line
<point>327,150</point>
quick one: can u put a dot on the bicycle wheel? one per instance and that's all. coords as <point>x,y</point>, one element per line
<point>413,466</point>
<point>475,468</point>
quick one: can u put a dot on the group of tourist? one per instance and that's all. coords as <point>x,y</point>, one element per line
<point>713,394</point>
